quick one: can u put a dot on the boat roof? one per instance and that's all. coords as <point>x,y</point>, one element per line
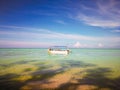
<point>59,47</point>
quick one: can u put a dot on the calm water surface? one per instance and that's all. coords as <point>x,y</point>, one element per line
<point>82,69</point>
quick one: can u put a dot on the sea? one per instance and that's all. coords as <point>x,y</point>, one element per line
<point>81,69</point>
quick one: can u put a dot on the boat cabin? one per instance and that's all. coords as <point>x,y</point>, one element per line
<point>58,50</point>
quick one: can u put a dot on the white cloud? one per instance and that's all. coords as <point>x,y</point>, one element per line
<point>39,33</point>
<point>105,15</point>
<point>22,44</point>
<point>77,45</point>
<point>95,21</point>
<point>43,36</point>
<point>117,31</point>
<point>60,22</point>
<point>100,45</point>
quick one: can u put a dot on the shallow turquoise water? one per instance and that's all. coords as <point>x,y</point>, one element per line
<point>17,62</point>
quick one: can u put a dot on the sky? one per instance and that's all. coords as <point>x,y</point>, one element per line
<point>72,23</point>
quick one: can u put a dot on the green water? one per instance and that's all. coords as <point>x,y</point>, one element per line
<point>19,67</point>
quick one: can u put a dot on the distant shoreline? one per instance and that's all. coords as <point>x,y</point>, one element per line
<point>69,48</point>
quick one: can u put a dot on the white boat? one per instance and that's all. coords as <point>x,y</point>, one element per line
<point>59,50</point>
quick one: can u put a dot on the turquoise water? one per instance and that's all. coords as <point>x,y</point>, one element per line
<point>35,69</point>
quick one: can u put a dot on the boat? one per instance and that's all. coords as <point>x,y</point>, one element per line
<point>59,50</point>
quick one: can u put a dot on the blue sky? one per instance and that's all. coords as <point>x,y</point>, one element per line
<point>45,23</point>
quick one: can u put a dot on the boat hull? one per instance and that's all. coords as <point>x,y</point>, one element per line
<point>65,52</point>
